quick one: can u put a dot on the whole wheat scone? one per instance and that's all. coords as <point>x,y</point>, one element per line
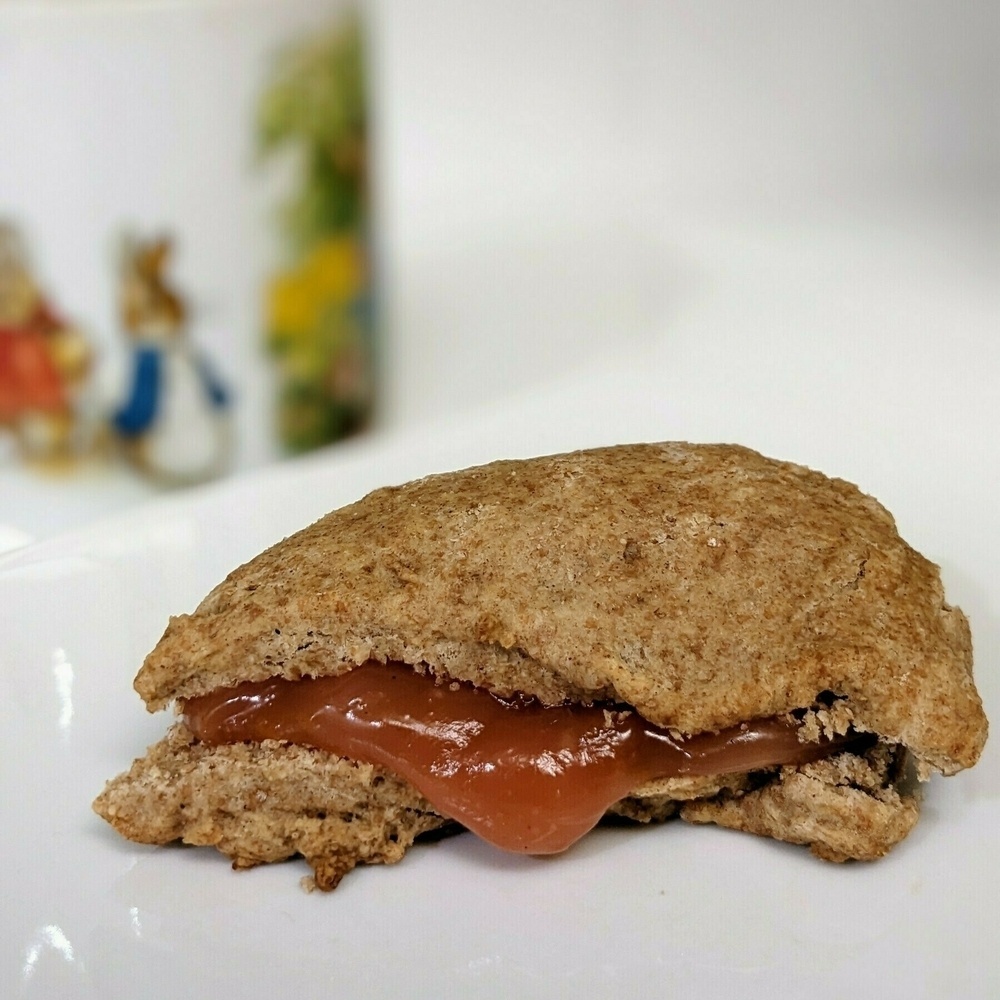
<point>267,802</point>
<point>703,585</point>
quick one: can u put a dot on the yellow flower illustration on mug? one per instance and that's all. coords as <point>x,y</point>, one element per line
<point>330,275</point>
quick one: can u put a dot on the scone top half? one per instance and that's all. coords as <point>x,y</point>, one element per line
<point>703,585</point>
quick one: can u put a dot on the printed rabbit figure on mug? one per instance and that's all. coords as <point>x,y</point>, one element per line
<point>174,421</point>
<point>45,364</point>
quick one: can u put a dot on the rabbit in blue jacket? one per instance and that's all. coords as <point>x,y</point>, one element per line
<point>175,418</point>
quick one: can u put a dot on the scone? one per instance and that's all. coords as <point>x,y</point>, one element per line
<point>754,634</point>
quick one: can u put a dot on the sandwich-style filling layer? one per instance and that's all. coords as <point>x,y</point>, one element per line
<point>523,776</point>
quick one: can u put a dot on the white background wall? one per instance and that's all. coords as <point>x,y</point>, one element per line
<point>548,165</point>
<point>544,170</point>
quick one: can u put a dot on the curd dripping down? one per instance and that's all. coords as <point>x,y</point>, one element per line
<point>525,777</point>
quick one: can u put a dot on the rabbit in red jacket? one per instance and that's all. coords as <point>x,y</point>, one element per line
<point>44,362</point>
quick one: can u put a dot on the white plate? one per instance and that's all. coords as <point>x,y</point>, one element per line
<point>671,910</point>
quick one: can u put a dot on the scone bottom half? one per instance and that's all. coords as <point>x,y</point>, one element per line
<point>703,586</point>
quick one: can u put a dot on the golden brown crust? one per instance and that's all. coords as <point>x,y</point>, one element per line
<point>703,584</point>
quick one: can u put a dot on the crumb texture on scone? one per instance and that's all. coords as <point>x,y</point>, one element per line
<point>266,802</point>
<point>851,807</point>
<point>703,584</point>
<point>273,801</point>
